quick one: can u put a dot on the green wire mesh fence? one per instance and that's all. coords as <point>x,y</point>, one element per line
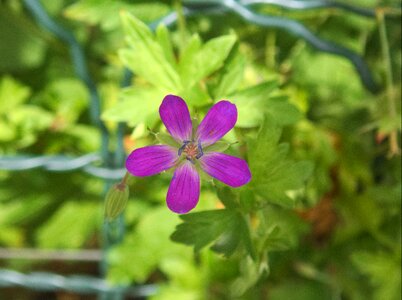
<point>109,166</point>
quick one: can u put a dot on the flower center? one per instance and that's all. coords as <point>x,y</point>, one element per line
<point>191,150</point>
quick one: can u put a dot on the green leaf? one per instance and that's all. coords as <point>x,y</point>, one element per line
<point>145,56</point>
<point>144,248</point>
<point>70,226</point>
<point>137,105</point>
<point>28,121</point>
<point>188,54</point>
<point>224,228</point>
<point>227,196</point>
<point>276,240</point>
<point>274,175</point>
<point>231,76</point>
<point>67,97</point>
<point>251,103</point>
<point>195,96</point>
<point>283,112</point>
<point>163,38</point>
<point>361,214</point>
<point>12,93</point>
<point>282,229</point>
<point>300,290</point>
<point>384,272</point>
<point>250,273</point>
<point>255,102</point>
<point>247,199</point>
<point>197,65</point>
<point>7,132</point>
<point>106,13</point>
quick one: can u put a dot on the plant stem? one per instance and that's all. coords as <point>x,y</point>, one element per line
<point>390,95</point>
<point>125,178</point>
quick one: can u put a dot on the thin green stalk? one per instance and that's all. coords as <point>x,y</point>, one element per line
<point>270,50</point>
<point>390,95</point>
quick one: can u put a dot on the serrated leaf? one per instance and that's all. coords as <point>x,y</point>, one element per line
<point>227,196</point>
<point>206,60</point>
<point>195,96</point>
<point>136,106</point>
<point>283,112</point>
<point>231,76</point>
<point>273,173</point>
<point>145,56</point>
<point>255,102</point>
<point>224,228</point>
<point>163,38</point>
<point>250,103</point>
<point>283,228</point>
<point>188,54</point>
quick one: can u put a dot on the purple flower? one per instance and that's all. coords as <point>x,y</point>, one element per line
<point>191,153</point>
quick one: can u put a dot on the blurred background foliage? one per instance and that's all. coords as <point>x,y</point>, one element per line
<point>321,217</point>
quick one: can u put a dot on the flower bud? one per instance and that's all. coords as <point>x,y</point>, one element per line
<point>116,200</point>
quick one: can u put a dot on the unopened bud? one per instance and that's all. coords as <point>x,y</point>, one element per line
<point>116,200</point>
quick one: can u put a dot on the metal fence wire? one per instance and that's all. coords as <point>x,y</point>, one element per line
<point>111,164</point>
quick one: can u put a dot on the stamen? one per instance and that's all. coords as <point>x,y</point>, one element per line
<point>191,150</point>
<point>190,160</point>
<point>185,143</point>
<point>200,152</point>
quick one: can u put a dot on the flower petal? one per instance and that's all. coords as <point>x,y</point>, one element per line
<point>151,160</point>
<point>230,170</point>
<point>176,117</point>
<point>218,121</point>
<point>184,189</point>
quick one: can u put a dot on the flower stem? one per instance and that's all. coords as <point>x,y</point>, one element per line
<point>390,94</point>
<point>125,178</point>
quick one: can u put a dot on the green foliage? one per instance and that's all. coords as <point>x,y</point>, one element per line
<point>320,218</point>
<point>145,56</point>
<point>145,248</point>
<point>275,176</point>
<point>21,122</point>
<point>70,227</point>
<point>205,60</point>
<point>22,50</point>
<point>255,102</point>
<point>106,13</point>
<point>152,58</point>
<point>383,271</point>
<point>225,229</point>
